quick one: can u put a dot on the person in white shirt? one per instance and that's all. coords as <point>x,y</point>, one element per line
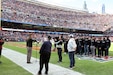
<point>71,50</point>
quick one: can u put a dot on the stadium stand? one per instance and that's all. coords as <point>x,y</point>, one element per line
<point>25,14</point>
<point>40,14</point>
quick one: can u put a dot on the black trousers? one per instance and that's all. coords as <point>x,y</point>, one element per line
<point>0,52</point>
<point>105,52</point>
<point>99,52</point>
<point>60,54</point>
<point>65,48</point>
<point>44,59</point>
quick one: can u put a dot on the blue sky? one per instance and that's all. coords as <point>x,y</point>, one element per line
<point>92,5</point>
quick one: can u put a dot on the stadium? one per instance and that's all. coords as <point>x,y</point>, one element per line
<point>22,17</point>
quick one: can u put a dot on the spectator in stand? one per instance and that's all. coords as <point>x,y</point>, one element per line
<point>69,19</point>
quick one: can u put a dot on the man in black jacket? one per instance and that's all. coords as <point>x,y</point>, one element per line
<point>29,42</point>
<point>103,46</point>
<point>45,53</point>
<point>65,46</point>
<point>99,46</point>
<point>86,46</point>
<point>93,46</point>
<point>108,44</point>
<point>59,48</point>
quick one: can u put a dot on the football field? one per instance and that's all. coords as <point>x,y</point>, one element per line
<point>86,67</point>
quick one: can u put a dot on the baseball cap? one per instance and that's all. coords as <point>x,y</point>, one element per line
<point>71,35</point>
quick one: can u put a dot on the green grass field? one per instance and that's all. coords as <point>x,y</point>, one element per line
<point>7,67</point>
<point>86,67</point>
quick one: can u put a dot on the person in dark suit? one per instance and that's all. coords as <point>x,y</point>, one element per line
<point>65,46</point>
<point>80,44</point>
<point>59,49</point>
<point>1,43</point>
<point>103,46</point>
<point>99,46</point>
<point>108,44</point>
<point>93,46</point>
<point>86,46</point>
<point>45,53</point>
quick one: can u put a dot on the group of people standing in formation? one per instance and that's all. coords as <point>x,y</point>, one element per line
<point>83,46</point>
<point>93,46</point>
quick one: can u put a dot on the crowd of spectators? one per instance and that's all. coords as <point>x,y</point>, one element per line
<point>21,36</point>
<point>14,36</point>
<point>25,11</point>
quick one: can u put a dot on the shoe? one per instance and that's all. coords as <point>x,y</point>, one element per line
<point>46,73</point>
<point>71,68</point>
<point>59,61</point>
<point>28,62</point>
<point>39,73</point>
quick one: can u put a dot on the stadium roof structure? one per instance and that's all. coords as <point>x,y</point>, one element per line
<point>53,6</point>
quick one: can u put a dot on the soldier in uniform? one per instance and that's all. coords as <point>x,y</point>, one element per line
<point>103,46</point>
<point>108,44</point>
<point>79,46</point>
<point>92,46</point>
<point>82,45</point>
<point>99,46</point>
<point>86,46</point>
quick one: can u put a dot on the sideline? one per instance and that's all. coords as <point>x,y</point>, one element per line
<point>20,59</point>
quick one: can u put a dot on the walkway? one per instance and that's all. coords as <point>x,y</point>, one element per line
<point>20,59</point>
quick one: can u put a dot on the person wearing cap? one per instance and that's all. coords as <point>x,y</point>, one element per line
<point>1,43</point>
<point>71,50</point>
<point>45,53</point>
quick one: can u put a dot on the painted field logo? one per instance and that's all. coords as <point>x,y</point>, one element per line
<point>97,59</point>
